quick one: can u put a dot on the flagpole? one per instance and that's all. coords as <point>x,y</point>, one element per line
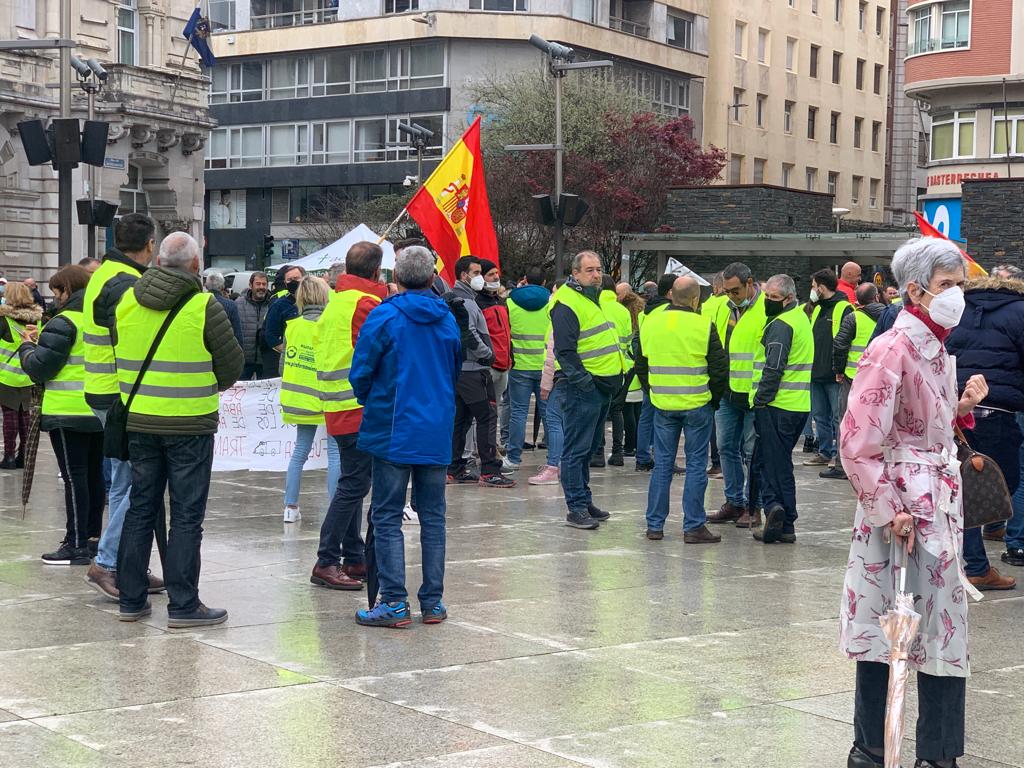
<point>393,224</point>
<point>184,57</point>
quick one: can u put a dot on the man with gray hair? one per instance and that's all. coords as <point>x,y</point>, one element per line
<point>174,351</point>
<point>404,370</point>
<point>214,283</point>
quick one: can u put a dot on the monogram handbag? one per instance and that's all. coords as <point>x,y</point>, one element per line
<point>986,498</point>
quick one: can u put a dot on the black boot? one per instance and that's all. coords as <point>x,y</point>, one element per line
<point>9,462</point>
<point>860,758</point>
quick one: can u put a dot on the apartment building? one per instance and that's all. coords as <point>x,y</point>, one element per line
<point>797,96</point>
<point>965,65</point>
<point>154,158</point>
<point>308,94</point>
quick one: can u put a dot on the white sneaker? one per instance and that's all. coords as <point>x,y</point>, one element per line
<point>409,516</point>
<point>508,466</point>
<point>291,514</point>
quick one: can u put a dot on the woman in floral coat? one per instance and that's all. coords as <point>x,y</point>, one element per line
<point>897,448</point>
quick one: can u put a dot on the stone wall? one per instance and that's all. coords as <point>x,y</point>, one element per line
<point>992,220</point>
<point>747,209</point>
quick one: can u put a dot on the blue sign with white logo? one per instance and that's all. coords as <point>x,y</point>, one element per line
<point>945,215</point>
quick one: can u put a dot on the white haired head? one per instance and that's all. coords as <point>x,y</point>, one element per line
<point>917,261</point>
<point>179,250</point>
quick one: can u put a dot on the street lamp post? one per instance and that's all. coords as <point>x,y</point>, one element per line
<point>85,71</point>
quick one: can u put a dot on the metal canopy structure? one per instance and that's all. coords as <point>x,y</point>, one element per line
<point>822,248</point>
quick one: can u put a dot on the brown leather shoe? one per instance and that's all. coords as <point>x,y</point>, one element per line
<point>355,571</point>
<point>156,584</point>
<point>751,518</point>
<point>701,536</point>
<point>999,535</point>
<point>333,577</point>
<point>993,580</point>
<point>103,581</point>
<point>729,513</point>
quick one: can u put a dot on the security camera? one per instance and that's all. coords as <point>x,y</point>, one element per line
<point>424,132</point>
<point>415,131</point>
<point>94,65</point>
<point>410,181</point>
<point>554,50</point>
<point>80,67</point>
<point>840,212</point>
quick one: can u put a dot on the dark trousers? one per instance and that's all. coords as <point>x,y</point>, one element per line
<point>340,532</point>
<point>251,371</point>
<point>180,464</point>
<point>716,460</point>
<point>15,431</point>
<point>777,434</point>
<point>940,719</point>
<point>624,418</point>
<point>998,436</point>
<point>583,418</point>
<point>474,399</point>
<point>80,458</point>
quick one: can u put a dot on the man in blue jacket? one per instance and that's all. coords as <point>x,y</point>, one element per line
<point>404,370</point>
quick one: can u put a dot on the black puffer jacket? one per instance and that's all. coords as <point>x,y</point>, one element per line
<point>45,359</point>
<point>990,340</point>
<point>160,289</point>
<point>105,305</point>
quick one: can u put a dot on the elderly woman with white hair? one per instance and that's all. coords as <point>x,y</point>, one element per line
<point>897,448</point>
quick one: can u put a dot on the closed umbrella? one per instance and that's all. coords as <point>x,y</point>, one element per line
<point>31,447</point>
<point>900,626</point>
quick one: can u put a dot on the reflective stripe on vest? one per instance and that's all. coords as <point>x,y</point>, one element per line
<point>300,391</point>
<point>837,316</point>
<point>529,329</point>
<point>675,343</point>
<point>100,371</point>
<point>333,348</point>
<point>598,345</point>
<point>180,379</point>
<point>622,320</point>
<point>11,374</point>
<point>742,342</point>
<point>794,392</point>
<point>64,394</point>
<point>865,327</point>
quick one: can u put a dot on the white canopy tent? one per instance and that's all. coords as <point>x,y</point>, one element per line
<point>321,261</point>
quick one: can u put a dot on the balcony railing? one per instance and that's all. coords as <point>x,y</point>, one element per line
<point>294,18</point>
<point>629,27</point>
<point>928,45</point>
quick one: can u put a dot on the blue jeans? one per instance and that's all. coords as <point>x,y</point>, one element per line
<point>1015,527</point>
<point>553,426</point>
<point>584,412</point>
<point>735,428</point>
<point>825,411</point>
<point>695,426</point>
<point>390,483</point>
<point>340,532</point>
<point>521,385</point>
<point>118,501</point>
<point>645,432</point>
<point>182,465</point>
<point>303,445</point>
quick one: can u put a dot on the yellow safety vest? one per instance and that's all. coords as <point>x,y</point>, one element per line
<point>300,392</point>
<point>675,343</point>
<point>623,321</point>
<point>865,327</point>
<point>64,394</point>
<point>743,342</point>
<point>180,379</point>
<point>712,305</point>
<point>837,315</point>
<point>529,331</point>
<point>100,371</point>
<point>11,374</point>
<point>598,345</point>
<point>333,348</point>
<point>794,392</point>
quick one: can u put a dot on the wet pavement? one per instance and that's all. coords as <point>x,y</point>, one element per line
<point>564,647</point>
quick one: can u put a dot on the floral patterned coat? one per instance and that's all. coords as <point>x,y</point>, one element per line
<point>897,448</point>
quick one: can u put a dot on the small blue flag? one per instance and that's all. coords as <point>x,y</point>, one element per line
<point>197,32</point>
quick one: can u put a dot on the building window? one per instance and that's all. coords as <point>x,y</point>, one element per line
<point>1008,130</point>
<point>737,102</point>
<point>371,70</point>
<point>858,131</point>
<point>860,74</point>
<point>332,74</point>
<point>956,24</point>
<point>288,78</point>
<point>838,6</point>
<point>873,185</point>
<point>791,54</point>
<point>738,40</point>
<point>837,67</point>
<point>332,142</point>
<point>879,20</point>
<point>127,27</point>
<point>922,150</point>
<point>222,15</point>
<point>269,14</point>
<point>679,32</point>
<point>133,196</point>
<point>401,6</point>
<point>833,182</point>
<point>787,117</point>
<point>497,5</point>
<point>855,190</point>
<point>762,46</point>
<point>287,144</point>
<point>812,68</point>
<point>670,96</point>
<point>227,209</point>
<point>952,20</point>
<point>812,122</point>
<point>760,108</point>
<point>792,3</point>
<point>759,164</point>
<point>787,174</point>
<point>236,82</point>
<point>876,136</point>
<point>877,85</point>
<point>953,135</point>
<point>811,178</point>
<point>736,169</point>
<point>862,16</point>
<point>833,128</point>
<point>235,148</point>
<point>583,10</point>
<point>371,137</point>
<point>814,7</point>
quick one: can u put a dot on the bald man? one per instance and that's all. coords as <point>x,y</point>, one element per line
<point>622,290</point>
<point>682,363</point>
<point>849,278</point>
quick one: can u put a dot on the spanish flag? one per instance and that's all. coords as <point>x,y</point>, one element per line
<point>452,207</point>
<point>974,269</point>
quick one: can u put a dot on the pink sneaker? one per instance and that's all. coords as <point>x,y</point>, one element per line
<point>546,476</point>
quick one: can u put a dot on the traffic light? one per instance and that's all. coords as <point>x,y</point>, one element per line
<point>268,248</point>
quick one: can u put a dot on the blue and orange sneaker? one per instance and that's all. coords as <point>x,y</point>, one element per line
<point>383,614</point>
<point>434,615</point>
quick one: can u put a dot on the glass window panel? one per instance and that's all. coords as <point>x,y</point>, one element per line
<point>942,141</point>
<point>583,10</point>
<point>370,138</point>
<point>252,81</point>
<point>371,70</point>
<point>339,136</point>
<point>999,137</point>
<point>281,78</point>
<point>965,147</point>
<point>281,145</point>
<point>427,66</point>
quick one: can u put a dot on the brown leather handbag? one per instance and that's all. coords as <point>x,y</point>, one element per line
<point>986,498</point>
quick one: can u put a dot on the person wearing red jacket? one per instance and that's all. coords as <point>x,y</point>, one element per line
<point>500,329</point>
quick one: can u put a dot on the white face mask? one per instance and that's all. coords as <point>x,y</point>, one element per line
<point>493,287</point>
<point>947,307</point>
<point>814,295</point>
<point>477,282</point>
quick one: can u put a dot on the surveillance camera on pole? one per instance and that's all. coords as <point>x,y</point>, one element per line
<point>80,67</point>
<point>554,50</point>
<point>95,66</point>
